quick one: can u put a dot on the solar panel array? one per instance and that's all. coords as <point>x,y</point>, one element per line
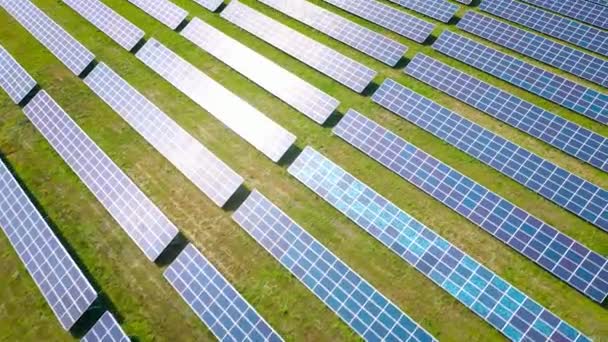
<point>436,9</point>
<point>211,5</point>
<point>136,214</point>
<point>15,81</point>
<point>532,45</point>
<point>65,288</point>
<point>164,11</point>
<point>67,49</point>
<point>257,129</point>
<point>555,88</point>
<point>582,10</point>
<point>109,22</point>
<point>202,167</point>
<point>348,72</point>
<point>215,301</point>
<point>500,304</point>
<point>358,37</point>
<point>288,87</point>
<point>565,258</point>
<point>571,31</point>
<point>350,296</point>
<point>106,330</point>
<point>567,190</point>
<point>390,18</point>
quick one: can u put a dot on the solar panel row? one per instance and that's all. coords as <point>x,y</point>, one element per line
<point>257,129</point>
<point>288,87</point>
<point>211,5</point>
<point>328,61</point>
<point>215,301</point>
<point>567,190</point>
<point>13,78</point>
<point>534,46</point>
<point>436,9</point>
<point>164,11</point>
<point>500,304</point>
<point>582,10</point>
<point>350,296</point>
<point>106,329</point>
<point>565,258</point>
<point>356,36</point>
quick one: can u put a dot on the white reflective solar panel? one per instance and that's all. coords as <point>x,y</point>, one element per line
<point>109,22</point>
<point>106,330</point>
<point>164,11</point>
<point>67,49</point>
<point>196,162</point>
<point>15,81</point>
<point>211,5</point>
<point>137,215</point>
<point>253,126</point>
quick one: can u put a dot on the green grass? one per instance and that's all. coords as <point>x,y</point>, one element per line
<point>134,288</point>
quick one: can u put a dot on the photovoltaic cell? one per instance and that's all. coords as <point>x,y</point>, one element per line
<point>599,2</point>
<point>257,129</point>
<point>15,81</point>
<point>348,72</point>
<point>67,49</point>
<point>356,36</point>
<point>350,296</point>
<point>164,11</point>
<point>500,304</point>
<point>436,9</point>
<point>211,5</point>
<point>106,330</point>
<point>555,88</point>
<point>563,257</point>
<point>582,10</point>
<point>534,46</point>
<point>568,30</point>
<point>196,162</point>
<point>567,190</point>
<point>136,214</point>
<point>390,18</point>
<point>215,301</point>
<point>288,87</point>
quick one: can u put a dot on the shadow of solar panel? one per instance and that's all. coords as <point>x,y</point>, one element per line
<point>582,10</point>
<point>571,31</point>
<point>390,18</point>
<point>251,125</point>
<point>534,46</point>
<point>164,11</point>
<point>137,215</point>
<point>565,189</point>
<point>356,36</point>
<point>211,5</point>
<point>351,297</point>
<point>15,81</point>
<point>436,9</point>
<point>65,288</point>
<point>288,87</point>
<point>344,70</point>
<point>215,301</point>
<point>555,88</point>
<point>106,330</point>
<point>195,161</point>
<point>500,304</point>
<point>67,49</point>
<point>565,258</point>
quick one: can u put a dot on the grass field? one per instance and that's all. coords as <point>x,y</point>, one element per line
<point>134,289</point>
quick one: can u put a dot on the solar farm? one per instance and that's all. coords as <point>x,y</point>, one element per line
<point>304,170</point>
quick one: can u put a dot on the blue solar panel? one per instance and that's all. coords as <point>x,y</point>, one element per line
<point>15,81</point>
<point>563,257</point>
<point>582,10</point>
<point>571,192</point>
<point>106,330</point>
<point>500,304</point>
<point>466,2</point>
<point>437,9</point>
<point>350,296</point>
<point>542,49</point>
<point>215,301</point>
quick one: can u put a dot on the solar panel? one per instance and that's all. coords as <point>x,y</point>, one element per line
<point>563,257</point>
<point>553,87</point>
<point>599,2</point>
<point>164,11</point>
<point>109,22</point>
<point>65,288</point>
<point>15,81</point>
<point>215,301</point>
<point>106,330</point>
<point>356,36</point>
<point>582,10</point>
<point>436,9</point>
<point>565,189</point>
<point>534,46</point>
<point>344,70</point>
<point>390,18</point>
<point>500,304</point>
<point>466,2</point>
<point>211,5</point>
<point>345,292</point>
<point>288,87</point>
<point>195,161</point>
<point>137,215</point>
<point>67,49</point>
<point>571,31</point>
<point>251,125</point>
